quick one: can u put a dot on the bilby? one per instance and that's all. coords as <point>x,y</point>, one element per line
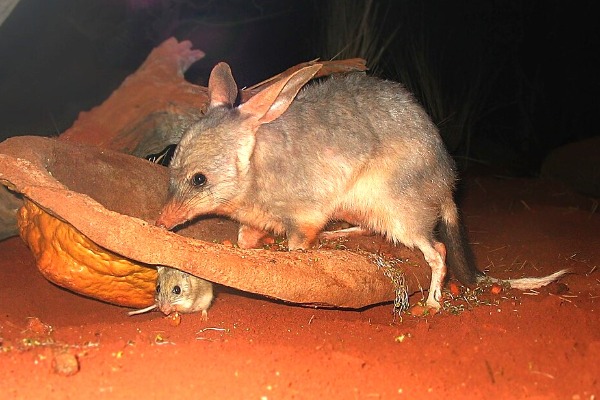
<point>293,158</point>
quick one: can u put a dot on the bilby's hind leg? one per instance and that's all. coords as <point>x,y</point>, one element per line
<point>302,237</point>
<point>303,229</point>
<point>435,255</point>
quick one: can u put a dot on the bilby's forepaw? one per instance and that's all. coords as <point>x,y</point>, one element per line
<point>250,238</point>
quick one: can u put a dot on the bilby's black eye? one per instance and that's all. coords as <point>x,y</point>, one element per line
<point>176,290</point>
<point>157,288</point>
<point>198,179</point>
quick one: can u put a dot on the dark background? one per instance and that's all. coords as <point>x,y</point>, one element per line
<point>506,81</point>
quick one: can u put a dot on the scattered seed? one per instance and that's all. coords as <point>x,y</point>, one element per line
<point>454,288</point>
<point>65,364</point>
<point>174,319</point>
<point>212,329</point>
<point>496,289</point>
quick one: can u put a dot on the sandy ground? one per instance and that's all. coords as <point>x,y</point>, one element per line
<point>541,344</point>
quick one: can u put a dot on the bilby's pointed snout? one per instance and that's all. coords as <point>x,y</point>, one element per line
<point>171,215</point>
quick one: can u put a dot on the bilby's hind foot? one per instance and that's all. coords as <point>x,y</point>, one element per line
<point>435,255</point>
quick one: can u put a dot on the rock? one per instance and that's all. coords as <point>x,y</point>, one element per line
<point>577,165</point>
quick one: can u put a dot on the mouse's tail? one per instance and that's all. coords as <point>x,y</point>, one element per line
<point>459,257</point>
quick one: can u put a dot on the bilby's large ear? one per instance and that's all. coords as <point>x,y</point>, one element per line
<point>222,90</point>
<point>271,102</point>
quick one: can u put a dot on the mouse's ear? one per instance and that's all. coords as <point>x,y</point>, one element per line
<point>222,89</point>
<point>270,103</point>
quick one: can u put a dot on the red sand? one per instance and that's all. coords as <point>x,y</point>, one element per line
<point>542,345</point>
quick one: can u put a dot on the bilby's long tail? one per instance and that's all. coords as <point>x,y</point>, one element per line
<point>459,258</point>
<point>526,283</point>
<point>461,262</point>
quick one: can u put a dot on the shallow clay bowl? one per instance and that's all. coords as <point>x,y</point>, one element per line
<point>88,218</point>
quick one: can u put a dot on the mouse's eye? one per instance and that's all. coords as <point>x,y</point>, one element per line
<point>157,288</point>
<point>198,179</point>
<point>176,289</point>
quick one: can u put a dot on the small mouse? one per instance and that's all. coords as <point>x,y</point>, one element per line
<point>292,158</point>
<point>178,291</point>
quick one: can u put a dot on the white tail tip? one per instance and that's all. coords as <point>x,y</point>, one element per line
<point>529,283</point>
